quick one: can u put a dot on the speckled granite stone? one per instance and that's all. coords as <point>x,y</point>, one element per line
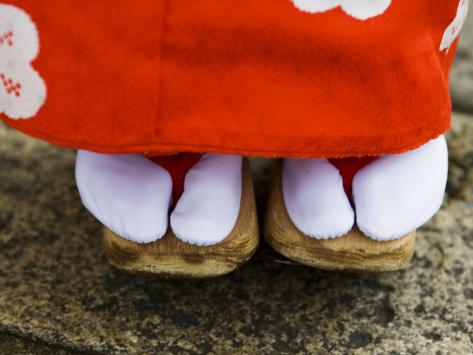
<point>13,345</point>
<point>57,288</point>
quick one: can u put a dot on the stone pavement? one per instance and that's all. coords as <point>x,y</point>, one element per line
<point>58,294</point>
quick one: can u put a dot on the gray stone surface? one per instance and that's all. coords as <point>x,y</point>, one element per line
<point>462,73</point>
<point>57,288</point>
<point>14,345</point>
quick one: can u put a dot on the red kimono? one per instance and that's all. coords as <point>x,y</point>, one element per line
<point>301,78</point>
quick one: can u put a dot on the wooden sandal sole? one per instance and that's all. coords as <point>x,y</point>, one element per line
<point>171,257</point>
<point>351,252</point>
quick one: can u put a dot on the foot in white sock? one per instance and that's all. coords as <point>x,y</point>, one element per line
<point>127,193</point>
<point>396,194</point>
<point>209,206</point>
<point>315,199</point>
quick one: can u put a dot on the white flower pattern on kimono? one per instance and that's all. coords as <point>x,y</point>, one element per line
<point>22,90</point>
<point>453,30</point>
<point>359,9</point>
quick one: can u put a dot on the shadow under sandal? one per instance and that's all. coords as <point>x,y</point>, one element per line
<point>351,252</point>
<point>171,257</point>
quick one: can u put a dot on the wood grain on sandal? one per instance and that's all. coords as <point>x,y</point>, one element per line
<point>351,252</point>
<point>171,257</point>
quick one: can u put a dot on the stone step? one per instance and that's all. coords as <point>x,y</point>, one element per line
<point>57,288</point>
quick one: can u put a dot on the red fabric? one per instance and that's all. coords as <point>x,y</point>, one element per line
<point>177,165</point>
<point>348,168</point>
<point>252,77</point>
